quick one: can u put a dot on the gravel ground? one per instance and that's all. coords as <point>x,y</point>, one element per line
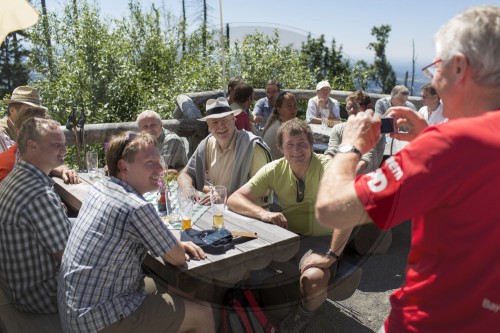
<point>366,310</point>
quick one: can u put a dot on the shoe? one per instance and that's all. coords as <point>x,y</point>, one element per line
<point>296,320</point>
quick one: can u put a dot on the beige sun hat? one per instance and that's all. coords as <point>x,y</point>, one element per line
<point>218,108</point>
<point>322,84</point>
<point>26,95</point>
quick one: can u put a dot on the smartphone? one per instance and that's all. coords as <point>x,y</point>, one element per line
<point>387,125</point>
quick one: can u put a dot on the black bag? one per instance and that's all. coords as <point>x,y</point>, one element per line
<point>242,314</point>
<point>214,241</point>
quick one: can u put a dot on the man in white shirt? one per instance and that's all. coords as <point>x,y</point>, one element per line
<point>432,109</point>
<point>322,101</point>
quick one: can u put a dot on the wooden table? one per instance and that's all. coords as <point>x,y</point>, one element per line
<point>273,243</point>
<point>321,137</point>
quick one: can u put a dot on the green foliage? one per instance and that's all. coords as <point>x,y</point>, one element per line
<point>115,68</point>
<point>327,63</point>
<point>260,58</point>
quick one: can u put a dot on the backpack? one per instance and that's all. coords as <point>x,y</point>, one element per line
<point>242,314</point>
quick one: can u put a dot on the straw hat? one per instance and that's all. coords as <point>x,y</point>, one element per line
<point>218,108</point>
<point>26,95</point>
<point>322,84</point>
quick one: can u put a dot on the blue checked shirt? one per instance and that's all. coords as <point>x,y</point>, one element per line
<point>101,276</point>
<point>33,226</point>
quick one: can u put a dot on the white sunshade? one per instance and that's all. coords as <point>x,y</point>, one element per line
<point>15,15</point>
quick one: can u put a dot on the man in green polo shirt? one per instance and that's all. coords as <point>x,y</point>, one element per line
<point>294,180</point>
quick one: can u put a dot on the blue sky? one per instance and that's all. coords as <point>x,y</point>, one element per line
<point>349,22</point>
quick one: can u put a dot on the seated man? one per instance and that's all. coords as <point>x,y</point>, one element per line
<point>33,225</point>
<point>295,180</point>
<point>356,102</point>
<point>322,101</point>
<point>25,101</point>
<point>101,284</point>
<point>227,156</point>
<point>22,98</point>
<point>264,106</point>
<point>9,158</point>
<point>432,108</point>
<point>399,97</point>
<point>170,143</point>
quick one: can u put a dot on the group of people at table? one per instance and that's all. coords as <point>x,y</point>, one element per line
<point>90,270</point>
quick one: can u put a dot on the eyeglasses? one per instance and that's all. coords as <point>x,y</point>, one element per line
<point>429,70</point>
<point>301,187</point>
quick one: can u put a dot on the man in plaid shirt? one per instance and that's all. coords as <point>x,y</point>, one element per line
<point>33,225</point>
<point>101,284</point>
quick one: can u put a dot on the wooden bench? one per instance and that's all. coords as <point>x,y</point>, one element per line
<point>15,321</point>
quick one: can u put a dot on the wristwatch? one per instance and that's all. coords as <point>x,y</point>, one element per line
<point>332,254</point>
<point>348,148</point>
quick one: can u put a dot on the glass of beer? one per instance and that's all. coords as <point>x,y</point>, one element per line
<point>185,198</point>
<point>218,198</point>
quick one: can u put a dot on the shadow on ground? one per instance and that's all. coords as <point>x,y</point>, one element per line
<point>366,310</point>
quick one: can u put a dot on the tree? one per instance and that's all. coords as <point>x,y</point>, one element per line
<point>327,63</point>
<point>381,72</point>
<point>14,71</point>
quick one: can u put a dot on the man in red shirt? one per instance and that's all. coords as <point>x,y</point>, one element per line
<point>446,180</point>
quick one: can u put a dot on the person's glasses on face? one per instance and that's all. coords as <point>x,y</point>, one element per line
<point>301,187</point>
<point>430,70</point>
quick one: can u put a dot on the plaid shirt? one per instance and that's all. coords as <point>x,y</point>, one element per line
<point>171,144</point>
<point>101,276</point>
<point>33,226</point>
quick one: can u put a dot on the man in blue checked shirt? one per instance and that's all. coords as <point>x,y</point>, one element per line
<point>101,283</point>
<point>33,225</point>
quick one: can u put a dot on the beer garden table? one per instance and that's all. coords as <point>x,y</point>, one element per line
<point>272,244</point>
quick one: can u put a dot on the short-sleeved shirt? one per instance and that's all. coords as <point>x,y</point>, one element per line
<point>172,145</point>
<point>447,181</point>
<point>278,177</point>
<point>33,227</point>
<point>264,109</point>
<point>313,110</point>
<point>100,280</point>
<point>220,162</point>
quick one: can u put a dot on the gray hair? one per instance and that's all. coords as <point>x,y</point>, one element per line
<point>399,89</point>
<point>148,114</point>
<point>475,33</point>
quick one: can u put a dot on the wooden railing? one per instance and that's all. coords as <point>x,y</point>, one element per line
<point>194,130</point>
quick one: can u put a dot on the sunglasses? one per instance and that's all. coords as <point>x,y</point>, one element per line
<point>301,187</point>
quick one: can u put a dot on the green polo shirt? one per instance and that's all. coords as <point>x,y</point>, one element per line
<point>278,177</point>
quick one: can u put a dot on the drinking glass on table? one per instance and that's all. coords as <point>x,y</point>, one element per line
<point>92,164</point>
<point>325,113</point>
<point>185,198</point>
<point>218,199</point>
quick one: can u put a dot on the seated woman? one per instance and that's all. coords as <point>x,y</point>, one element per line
<point>285,108</point>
